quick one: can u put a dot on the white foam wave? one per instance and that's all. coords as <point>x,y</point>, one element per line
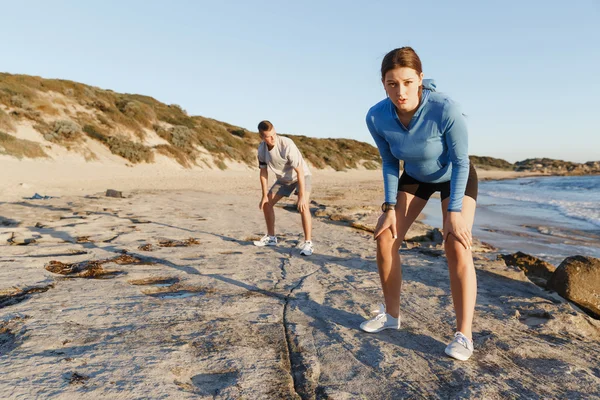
<point>584,210</point>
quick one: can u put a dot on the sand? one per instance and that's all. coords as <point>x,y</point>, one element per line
<point>181,305</point>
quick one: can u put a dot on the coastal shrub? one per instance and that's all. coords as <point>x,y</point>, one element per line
<point>178,155</point>
<point>95,133</point>
<point>45,107</point>
<point>5,121</point>
<point>20,148</point>
<point>104,121</point>
<point>134,152</point>
<point>239,133</point>
<point>99,105</point>
<point>183,137</point>
<point>61,131</point>
<point>370,165</point>
<point>173,115</point>
<point>19,101</point>
<point>490,163</point>
<point>179,108</point>
<point>339,154</point>
<point>221,164</point>
<point>43,128</point>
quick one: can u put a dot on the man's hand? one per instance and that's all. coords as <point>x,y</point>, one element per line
<point>455,224</point>
<point>263,201</point>
<point>302,205</point>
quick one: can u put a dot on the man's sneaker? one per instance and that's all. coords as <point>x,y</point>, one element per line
<point>382,321</point>
<point>266,241</point>
<point>307,248</point>
<point>460,348</point>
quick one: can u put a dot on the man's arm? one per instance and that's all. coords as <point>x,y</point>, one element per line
<point>264,178</point>
<point>301,189</point>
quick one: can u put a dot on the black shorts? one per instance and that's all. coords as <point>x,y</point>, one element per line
<point>424,190</point>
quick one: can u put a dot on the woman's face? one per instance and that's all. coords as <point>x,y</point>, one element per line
<point>402,87</point>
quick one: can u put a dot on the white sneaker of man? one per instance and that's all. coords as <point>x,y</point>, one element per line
<point>307,248</point>
<point>266,241</point>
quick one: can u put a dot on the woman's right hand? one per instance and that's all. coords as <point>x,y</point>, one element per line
<point>387,220</point>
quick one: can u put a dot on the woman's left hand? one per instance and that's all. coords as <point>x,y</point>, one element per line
<point>456,225</point>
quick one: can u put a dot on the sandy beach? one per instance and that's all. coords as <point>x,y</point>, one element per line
<point>167,298</point>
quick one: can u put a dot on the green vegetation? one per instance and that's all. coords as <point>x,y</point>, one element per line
<point>339,154</point>
<point>134,152</point>
<point>491,163</point>
<point>5,121</point>
<point>20,148</point>
<point>122,121</point>
<point>63,131</point>
<point>171,151</point>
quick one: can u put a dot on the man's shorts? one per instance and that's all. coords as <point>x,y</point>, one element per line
<point>286,189</point>
<point>424,190</point>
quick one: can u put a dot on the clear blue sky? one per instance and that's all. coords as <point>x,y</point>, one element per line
<point>526,72</point>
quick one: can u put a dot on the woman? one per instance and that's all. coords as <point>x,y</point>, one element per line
<point>428,132</point>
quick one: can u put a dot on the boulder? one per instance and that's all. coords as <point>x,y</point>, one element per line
<point>538,271</point>
<point>577,279</point>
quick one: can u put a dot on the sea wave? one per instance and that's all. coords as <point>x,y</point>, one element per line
<point>583,210</point>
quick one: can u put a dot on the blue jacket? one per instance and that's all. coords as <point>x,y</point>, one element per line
<point>434,148</point>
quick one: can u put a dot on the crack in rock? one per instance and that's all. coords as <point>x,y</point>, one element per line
<point>303,374</point>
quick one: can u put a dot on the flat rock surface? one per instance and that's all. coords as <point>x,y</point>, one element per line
<point>205,314</point>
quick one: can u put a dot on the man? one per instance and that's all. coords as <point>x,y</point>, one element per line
<point>281,155</point>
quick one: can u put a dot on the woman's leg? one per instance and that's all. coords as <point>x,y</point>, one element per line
<point>408,208</point>
<point>463,281</point>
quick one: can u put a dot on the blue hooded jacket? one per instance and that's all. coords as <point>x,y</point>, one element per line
<point>434,146</point>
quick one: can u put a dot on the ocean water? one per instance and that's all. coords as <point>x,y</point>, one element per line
<point>550,217</point>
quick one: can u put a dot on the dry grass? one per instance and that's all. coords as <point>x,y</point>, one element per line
<point>179,155</point>
<point>134,152</point>
<point>6,123</point>
<point>20,148</point>
<point>118,121</point>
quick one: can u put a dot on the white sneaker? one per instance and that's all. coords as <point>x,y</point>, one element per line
<point>266,241</point>
<point>460,348</point>
<point>382,321</point>
<point>307,248</point>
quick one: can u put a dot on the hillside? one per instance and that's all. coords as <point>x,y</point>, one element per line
<point>38,115</point>
<point>53,118</point>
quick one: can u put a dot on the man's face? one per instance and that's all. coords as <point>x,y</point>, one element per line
<point>269,137</point>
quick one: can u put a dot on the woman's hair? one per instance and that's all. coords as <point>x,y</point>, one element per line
<point>399,58</point>
<point>264,126</point>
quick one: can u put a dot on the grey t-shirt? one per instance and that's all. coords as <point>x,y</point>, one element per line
<point>282,159</point>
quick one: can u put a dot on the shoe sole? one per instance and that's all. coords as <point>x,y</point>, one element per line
<point>264,245</point>
<point>456,356</point>
<point>379,330</point>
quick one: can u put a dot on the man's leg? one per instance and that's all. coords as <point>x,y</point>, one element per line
<point>269,211</point>
<point>307,219</point>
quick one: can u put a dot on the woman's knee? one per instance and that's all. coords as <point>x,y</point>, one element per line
<point>388,245</point>
<point>458,256</point>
